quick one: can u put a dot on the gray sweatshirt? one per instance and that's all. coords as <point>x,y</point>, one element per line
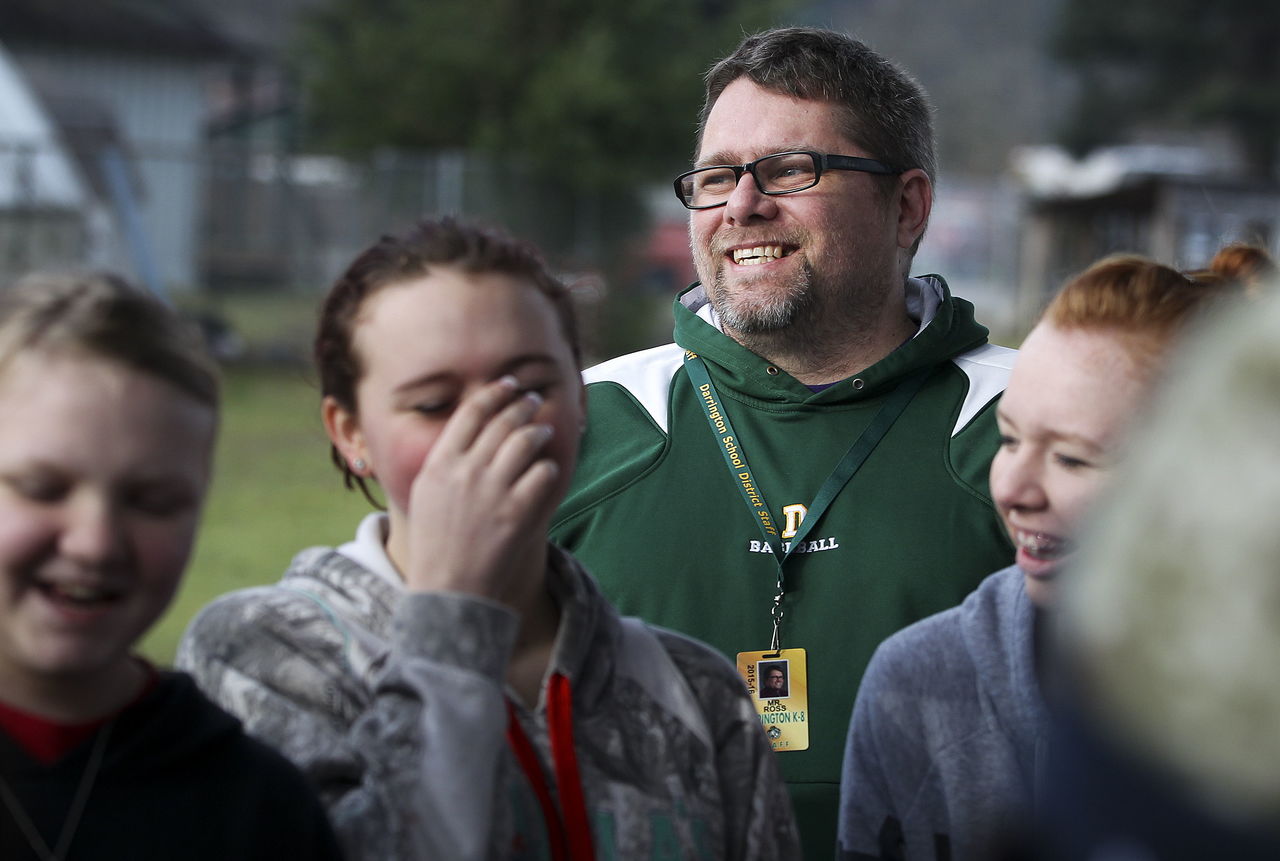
<point>948,733</point>
<point>394,703</point>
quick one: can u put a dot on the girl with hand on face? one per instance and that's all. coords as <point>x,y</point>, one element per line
<point>457,685</point>
<point>108,412</point>
<point>947,739</point>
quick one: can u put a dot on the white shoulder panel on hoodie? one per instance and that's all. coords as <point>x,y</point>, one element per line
<point>646,375</point>
<point>988,369</point>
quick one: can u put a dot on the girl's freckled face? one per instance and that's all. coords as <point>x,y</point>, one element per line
<point>1069,399</point>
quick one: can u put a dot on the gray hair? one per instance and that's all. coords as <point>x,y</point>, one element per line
<point>885,111</point>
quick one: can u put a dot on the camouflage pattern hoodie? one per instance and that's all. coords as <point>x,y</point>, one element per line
<point>394,703</point>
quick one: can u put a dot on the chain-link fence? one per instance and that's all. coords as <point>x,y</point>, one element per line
<point>231,216</point>
<point>296,219</point>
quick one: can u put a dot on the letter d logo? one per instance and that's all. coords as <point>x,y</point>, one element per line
<point>793,516</point>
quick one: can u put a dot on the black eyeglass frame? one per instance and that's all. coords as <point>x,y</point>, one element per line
<point>822,162</point>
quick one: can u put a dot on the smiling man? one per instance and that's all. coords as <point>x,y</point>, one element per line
<point>803,472</point>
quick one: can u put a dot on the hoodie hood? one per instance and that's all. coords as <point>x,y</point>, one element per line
<point>997,623</point>
<point>946,328</point>
<point>359,582</point>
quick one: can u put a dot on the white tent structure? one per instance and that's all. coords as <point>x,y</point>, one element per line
<point>44,203</point>
<point>35,169</point>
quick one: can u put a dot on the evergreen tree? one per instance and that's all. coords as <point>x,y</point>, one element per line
<point>1175,63</point>
<point>587,89</point>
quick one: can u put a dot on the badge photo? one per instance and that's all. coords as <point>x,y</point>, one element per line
<point>779,686</point>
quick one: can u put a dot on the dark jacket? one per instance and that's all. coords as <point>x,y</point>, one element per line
<point>179,779</point>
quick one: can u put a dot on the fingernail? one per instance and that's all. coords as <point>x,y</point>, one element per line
<point>509,381</point>
<point>534,398</point>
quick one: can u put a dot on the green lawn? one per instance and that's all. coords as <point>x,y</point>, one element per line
<point>274,492</point>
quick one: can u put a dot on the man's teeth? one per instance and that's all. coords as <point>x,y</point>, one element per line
<point>757,255</point>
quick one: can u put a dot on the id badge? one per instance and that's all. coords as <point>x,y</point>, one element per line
<point>779,686</point>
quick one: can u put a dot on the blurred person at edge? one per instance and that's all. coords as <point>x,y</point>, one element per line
<point>812,185</point>
<point>1168,638</point>
<point>458,687</point>
<point>946,743</point>
<point>110,409</point>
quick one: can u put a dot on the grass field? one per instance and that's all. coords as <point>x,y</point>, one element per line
<point>274,492</point>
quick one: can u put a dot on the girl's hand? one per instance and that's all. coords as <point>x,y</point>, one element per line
<point>479,504</point>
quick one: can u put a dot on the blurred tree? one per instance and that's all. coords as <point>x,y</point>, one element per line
<point>589,89</point>
<point>1178,62</point>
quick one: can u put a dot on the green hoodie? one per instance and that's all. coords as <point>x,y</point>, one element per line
<point>657,517</point>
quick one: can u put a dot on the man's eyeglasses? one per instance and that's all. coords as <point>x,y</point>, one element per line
<point>780,173</point>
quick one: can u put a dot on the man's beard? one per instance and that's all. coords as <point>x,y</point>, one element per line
<point>766,309</point>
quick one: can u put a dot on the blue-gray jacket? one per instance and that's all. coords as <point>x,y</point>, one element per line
<point>948,733</point>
